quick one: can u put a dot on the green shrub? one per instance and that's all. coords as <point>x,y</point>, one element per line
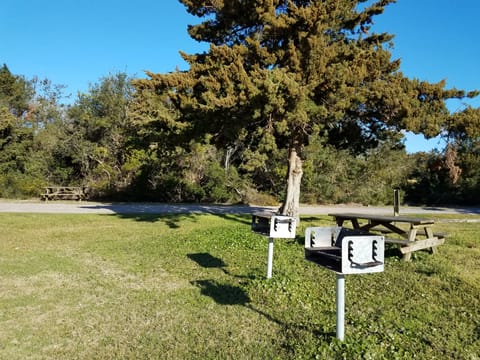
<point>20,186</point>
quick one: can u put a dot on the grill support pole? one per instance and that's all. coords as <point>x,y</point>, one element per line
<point>340,306</point>
<point>270,258</point>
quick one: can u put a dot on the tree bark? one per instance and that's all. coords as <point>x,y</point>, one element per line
<point>291,203</point>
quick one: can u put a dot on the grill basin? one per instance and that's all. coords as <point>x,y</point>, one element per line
<point>345,251</point>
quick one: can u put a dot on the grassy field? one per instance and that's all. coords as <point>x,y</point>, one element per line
<point>194,287</point>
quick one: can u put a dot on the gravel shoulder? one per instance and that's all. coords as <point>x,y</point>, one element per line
<point>84,207</point>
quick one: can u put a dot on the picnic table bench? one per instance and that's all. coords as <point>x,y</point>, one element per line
<point>63,193</point>
<point>416,235</point>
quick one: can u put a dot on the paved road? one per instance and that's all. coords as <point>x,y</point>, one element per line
<point>63,207</point>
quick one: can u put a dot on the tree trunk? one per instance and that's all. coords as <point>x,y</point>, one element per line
<point>291,203</point>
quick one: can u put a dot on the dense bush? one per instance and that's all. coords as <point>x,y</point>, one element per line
<point>337,176</point>
<point>432,181</point>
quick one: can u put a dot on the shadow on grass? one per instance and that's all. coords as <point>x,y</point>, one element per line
<point>241,218</point>
<point>173,221</point>
<point>206,260</point>
<point>171,214</point>
<point>467,210</point>
<point>227,294</point>
<point>392,251</point>
<point>223,294</point>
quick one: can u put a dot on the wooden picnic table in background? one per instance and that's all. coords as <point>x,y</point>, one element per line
<point>63,193</point>
<point>417,234</point>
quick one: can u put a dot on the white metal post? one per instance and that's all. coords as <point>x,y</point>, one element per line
<point>270,258</point>
<point>340,306</point>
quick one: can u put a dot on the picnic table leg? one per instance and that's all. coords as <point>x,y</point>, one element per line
<point>412,235</point>
<point>429,234</point>
<point>355,224</point>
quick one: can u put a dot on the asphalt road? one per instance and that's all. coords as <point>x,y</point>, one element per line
<point>72,207</point>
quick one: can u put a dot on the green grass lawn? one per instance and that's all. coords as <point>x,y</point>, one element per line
<point>194,287</point>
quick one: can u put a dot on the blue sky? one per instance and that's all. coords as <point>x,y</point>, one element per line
<point>76,42</point>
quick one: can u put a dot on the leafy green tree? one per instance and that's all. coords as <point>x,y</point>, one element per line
<point>31,118</point>
<point>99,135</point>
<point>15,92</point>
<point>16,137</point>
<point>45,106</point>
<point>279,71</point>
<point>465,136</point>
<point>451,176</point>
<point>367,178</point>
<point>469,182</point>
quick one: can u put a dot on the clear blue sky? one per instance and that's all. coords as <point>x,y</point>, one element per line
<point>76,42</point>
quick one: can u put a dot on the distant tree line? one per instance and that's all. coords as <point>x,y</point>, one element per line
<point>99,141</point>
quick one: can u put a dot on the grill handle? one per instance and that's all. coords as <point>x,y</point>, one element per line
<point>369,264</point>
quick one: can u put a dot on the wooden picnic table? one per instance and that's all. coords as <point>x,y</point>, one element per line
<point>63,193</point>
<point>416,234</point>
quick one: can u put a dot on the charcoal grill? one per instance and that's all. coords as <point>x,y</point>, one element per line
<point>344,251</point>
<point>274,226</point>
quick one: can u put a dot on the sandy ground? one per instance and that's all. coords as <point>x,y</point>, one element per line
<point>73,207</point>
